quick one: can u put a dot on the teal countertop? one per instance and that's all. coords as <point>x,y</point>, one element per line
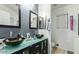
<point>26,43</point>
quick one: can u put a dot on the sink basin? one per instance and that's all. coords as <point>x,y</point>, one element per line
<point>39,36</point>
<point>13,41</point>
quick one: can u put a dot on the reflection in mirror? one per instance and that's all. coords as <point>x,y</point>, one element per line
<point>42,22</point>
<point>33,20</point>
<point>9,15</point>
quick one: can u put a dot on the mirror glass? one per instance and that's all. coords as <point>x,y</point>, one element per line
<point>41,22</point>
<point>9,15</point>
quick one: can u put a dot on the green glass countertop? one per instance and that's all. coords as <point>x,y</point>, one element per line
<point>26,43</point>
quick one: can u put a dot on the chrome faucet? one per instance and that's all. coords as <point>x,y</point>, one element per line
<point>11,34</point>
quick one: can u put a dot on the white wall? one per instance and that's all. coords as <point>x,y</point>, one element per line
<point>66,37</point>
<point>44,11</point>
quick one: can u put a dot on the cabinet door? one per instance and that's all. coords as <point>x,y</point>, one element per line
<point>44,46</point>
<point>39,48</point>
<point>35,49</point>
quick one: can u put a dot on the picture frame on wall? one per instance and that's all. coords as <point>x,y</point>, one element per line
<point>33,20</point>
<point>62,21</point>
<point>71,23</point>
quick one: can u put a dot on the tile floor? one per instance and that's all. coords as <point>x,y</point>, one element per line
<point>60,51</point>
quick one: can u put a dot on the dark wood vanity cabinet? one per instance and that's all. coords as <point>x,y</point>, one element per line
<point>37,48</point>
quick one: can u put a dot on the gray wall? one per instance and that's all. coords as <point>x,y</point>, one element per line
<point>25,18</point>
<point>4,32</point>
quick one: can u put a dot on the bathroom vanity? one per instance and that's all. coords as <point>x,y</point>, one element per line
<point>28,46</point>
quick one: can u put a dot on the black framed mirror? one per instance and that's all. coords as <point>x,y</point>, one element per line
<point>10,15</point>
<point>33,20</point>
